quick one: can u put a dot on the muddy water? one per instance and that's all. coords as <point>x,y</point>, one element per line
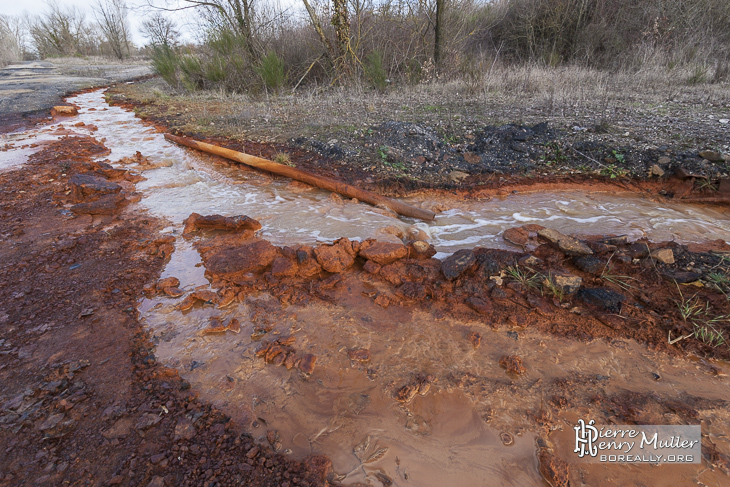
<point>450,436</point>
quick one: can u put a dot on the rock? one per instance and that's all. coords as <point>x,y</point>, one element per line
<point>421,250</point>
<point>283,267</point>
<point>65,111</point>
<point>361,355</point>
<point>602,298</point>
<point>412,291</point>
<point>513,364</point>
<point>184,429</point>
<point>371,267</point>
<point>655,170</point>
<point>215,325</point>
<point>530,260</point>
<point>638,250</point>
<point>475,339</point>
<point>157,481</point>
<point>458,263</point>
<point>566,283</point>
<point>554,470</point>
<point>173,292</point>
<point>590,264</point>
<point>236,262</point>
<point>274,439</point>
<point>663,161</point>
<point>567,244</point>
<point>516,236</point>
<point>480,305</point>
<point>167,282</point>
<point>51,422</point>
<point>712,156</point>
<point>147,420</point>
<point>320,467</point>
<point>337,257</point>
<point>617,240</point>
<point>306,365</point>
<point>681,277</point>
<point>472,157</point>
<point>307,263</point>
<point>197,222</point>
<point>383,253</point>
<point>382,300</point>
<point>458,176</point>
<point>206,296</point>
<point>665,256</point>
<point>106,205</point>
<point>539,305</point>
<point>85,187</point>
<point>524,237</point>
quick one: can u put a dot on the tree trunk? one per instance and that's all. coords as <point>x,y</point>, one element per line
<point>438,34</point>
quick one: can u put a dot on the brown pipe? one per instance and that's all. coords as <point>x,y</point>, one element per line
<point>305,177</point>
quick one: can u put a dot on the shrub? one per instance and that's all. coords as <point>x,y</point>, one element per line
<point>272,71</point>
<point>374,71</point>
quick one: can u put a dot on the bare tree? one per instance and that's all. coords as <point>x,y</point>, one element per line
<point>236,16</point>
<point>112,18</point>
<point>161,31</point>
<point>60,31</point>
<point>11,39</point>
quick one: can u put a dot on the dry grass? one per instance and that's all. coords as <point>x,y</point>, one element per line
<point>567,95</point>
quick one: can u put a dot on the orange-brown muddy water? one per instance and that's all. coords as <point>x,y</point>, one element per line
<point>475,425</point>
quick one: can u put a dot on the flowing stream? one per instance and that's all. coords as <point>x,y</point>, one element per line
<point>345,410</point>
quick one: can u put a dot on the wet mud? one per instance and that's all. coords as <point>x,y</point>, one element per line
<point>276,351</point>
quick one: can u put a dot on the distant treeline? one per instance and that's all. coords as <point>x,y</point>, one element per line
<point>250,45</point>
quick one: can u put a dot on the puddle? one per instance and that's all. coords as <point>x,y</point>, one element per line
<point>453,435</point>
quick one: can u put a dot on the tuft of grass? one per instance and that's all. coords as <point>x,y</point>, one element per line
<point>617,279</point>
<point>526,277</point>
<point>705,326</point>
<point>283,158</point>
<point>553,288</point>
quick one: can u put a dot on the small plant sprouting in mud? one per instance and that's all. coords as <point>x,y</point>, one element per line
<point>526,277</point>
<point>383,153</point>
<point>283,158</point>
<point>706,328</point>
<point>613,171</point>
<point>617,279</point>
<point>721,281</point>
<point>705,184</point>
<point>553,287</point>
<point>620,158</point>
<point>554,154</point>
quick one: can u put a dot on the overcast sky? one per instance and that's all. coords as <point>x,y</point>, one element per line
<point>136,14</point>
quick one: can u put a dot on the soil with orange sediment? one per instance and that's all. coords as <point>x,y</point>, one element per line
<point>83,400</point>
<point>152,430</point>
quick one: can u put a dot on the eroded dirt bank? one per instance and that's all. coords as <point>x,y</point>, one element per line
<point>83,400</point>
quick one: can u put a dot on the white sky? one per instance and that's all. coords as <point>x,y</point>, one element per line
<point>136,14</point>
